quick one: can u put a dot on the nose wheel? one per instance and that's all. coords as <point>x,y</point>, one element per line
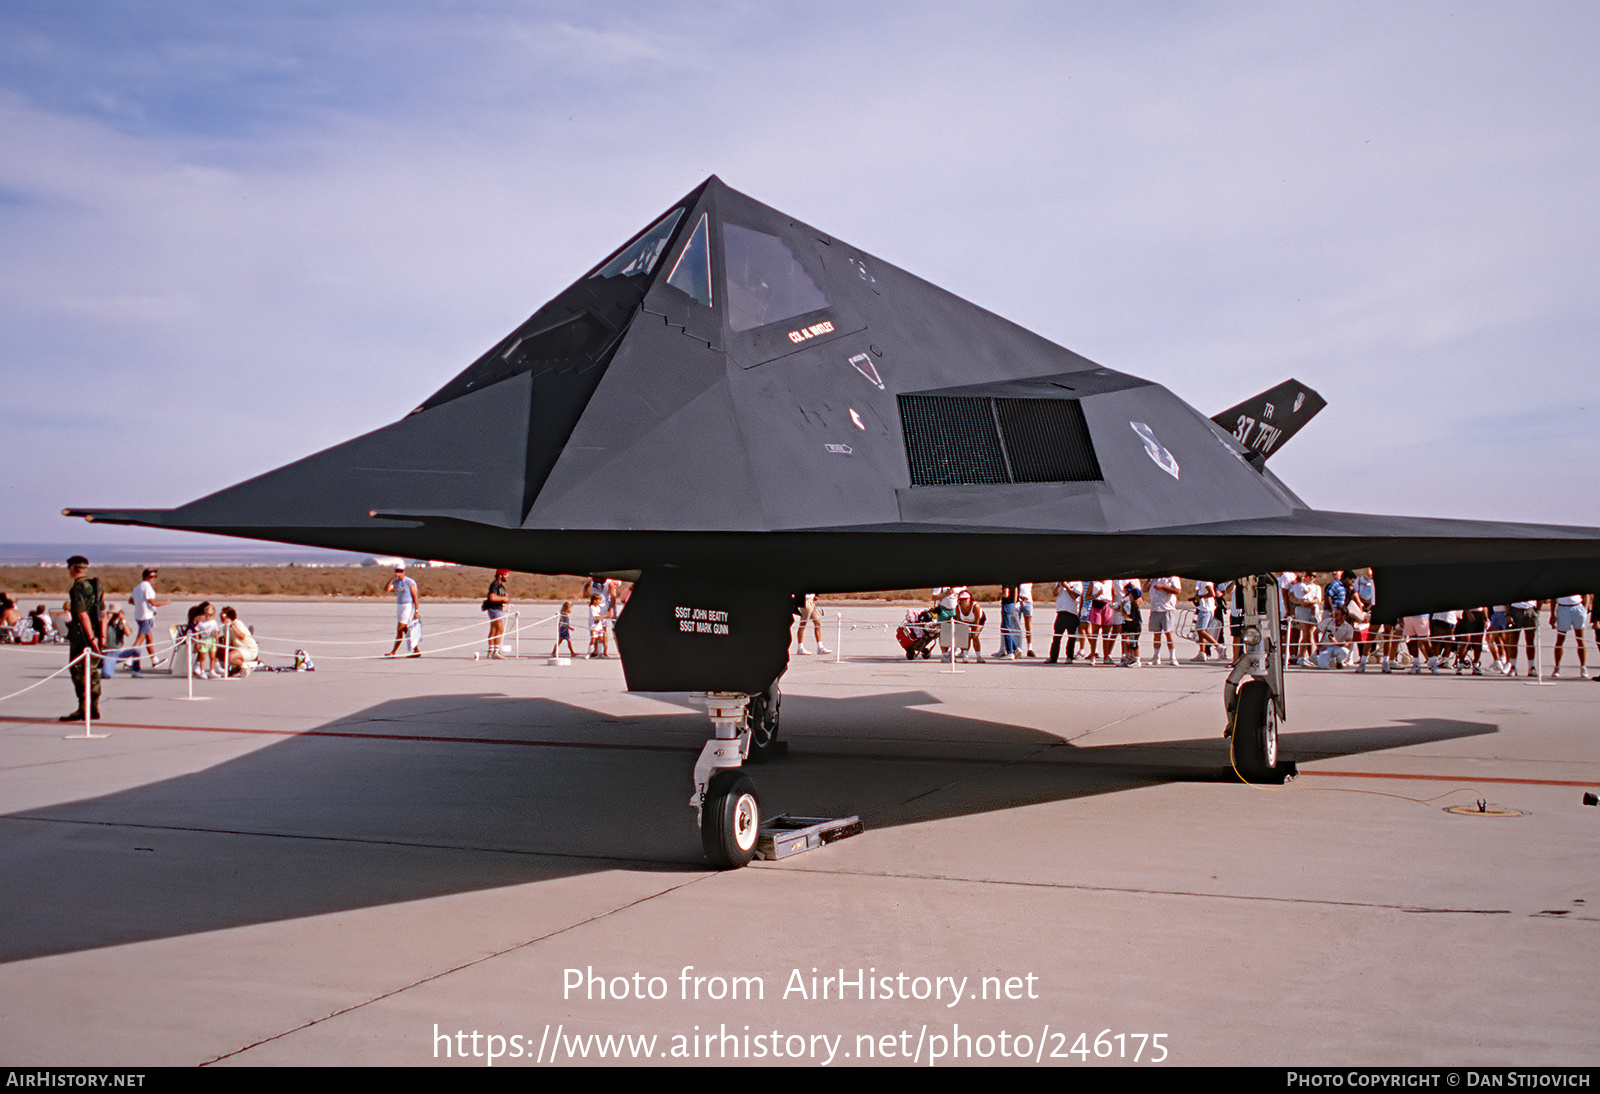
<point>1254,740</point>
<point>1255,706</point>
<point>730,820</point>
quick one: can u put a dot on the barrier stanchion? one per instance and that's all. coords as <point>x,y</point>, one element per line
<point>952,662</point>
<point>838,639</point>
<point>88,703</point>
<point>188,671</point>
<point>516,635</point>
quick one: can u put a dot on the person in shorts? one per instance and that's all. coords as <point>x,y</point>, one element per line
<point>1205,619</point>
<point>1164,593</point>
<point>1419,641</point>
<point>598,627</point>
<point>1498,636</point>
<point>969,621</point>
<point>1304,597</point>
<point>203,630</point>
<point>1025,611</point>
<point>145,602</point>
<point>1469,640</point>
<point>564,631</point>
<point>407,613</point>
<point>1442,632</point>
<point>494,602</point>
<point>1523,618</point>
<point>1097,620</point>
<point>1570,613</point>
<point>809,613</point>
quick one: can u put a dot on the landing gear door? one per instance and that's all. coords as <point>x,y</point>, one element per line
<point>691,633</point>
<point>1271,611</point>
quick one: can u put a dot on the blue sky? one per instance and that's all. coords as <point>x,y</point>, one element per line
<point>231,235</point>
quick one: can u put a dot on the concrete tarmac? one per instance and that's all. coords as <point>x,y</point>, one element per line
<point>447,861</point>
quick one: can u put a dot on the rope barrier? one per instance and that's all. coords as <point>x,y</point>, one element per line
<point>369,641</point>
<point>311,643</point>
<point>1375,641</point>
<point>36,683</point>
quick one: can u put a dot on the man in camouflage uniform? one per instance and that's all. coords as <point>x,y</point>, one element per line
<point>85,631</point>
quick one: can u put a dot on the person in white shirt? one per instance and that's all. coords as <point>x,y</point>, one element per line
<point>1419,645</point>
<point>1334,650</point>
<point>145,602</point>
<point>969,619</point>
<point>1205,619</point>
<point>1164,593</point>
<point>1069,617</point>
<point>1442,629</point>
<point>1097,618</point>
<point>1304,597</point>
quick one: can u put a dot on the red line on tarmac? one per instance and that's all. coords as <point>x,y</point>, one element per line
<point>1443,778</point>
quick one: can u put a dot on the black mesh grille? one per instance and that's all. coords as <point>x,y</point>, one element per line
<point>1047,440</point>
<point>953,440</point>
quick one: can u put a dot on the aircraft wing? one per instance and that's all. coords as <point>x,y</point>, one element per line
<point>1420,564</point>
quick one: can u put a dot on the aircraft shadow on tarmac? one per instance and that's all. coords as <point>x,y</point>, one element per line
<point>435,795</point>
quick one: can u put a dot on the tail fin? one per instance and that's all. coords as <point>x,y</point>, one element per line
<point>1264,422</point>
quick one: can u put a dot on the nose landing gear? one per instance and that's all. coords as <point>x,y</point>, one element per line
<point>1256,708</point>
<point>743,727</point>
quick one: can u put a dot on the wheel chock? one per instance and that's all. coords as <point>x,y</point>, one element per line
<point>784,836</point>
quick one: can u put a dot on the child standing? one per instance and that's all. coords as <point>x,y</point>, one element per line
<point>597,627</point>
<point>564,631</point>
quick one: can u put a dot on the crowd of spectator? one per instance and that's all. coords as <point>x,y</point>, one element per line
<point>1327,624</point>
<point>1326,618</point>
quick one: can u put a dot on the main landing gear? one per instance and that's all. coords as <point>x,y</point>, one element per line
<point>743,727</point>
<point>1256,708</point>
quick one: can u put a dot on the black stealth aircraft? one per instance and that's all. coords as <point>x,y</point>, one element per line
<point>735,408</point>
